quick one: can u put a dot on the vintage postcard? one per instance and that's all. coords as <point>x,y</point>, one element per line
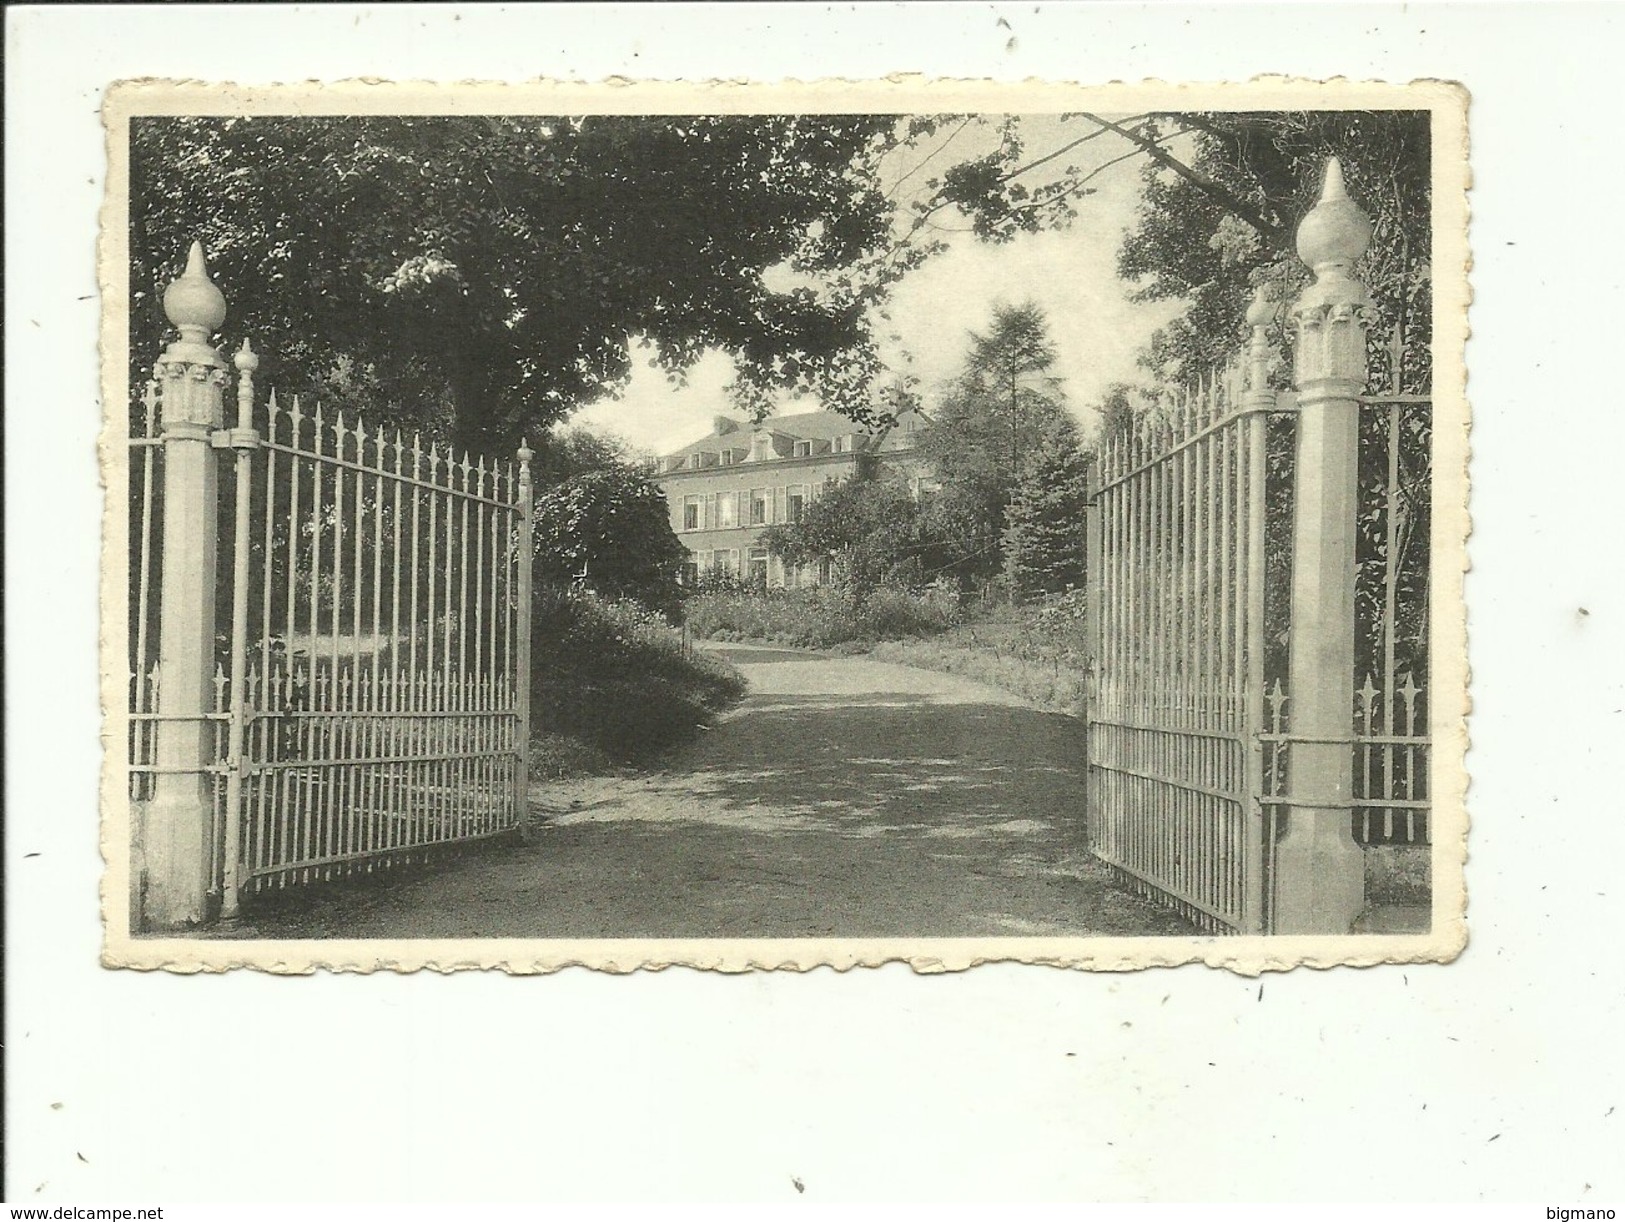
<point>771,526</point>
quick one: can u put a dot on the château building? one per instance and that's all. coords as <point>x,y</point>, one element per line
<point>725,489</point>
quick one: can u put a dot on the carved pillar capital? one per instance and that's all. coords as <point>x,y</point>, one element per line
<point>191,371</point>
<point>1330,319</point>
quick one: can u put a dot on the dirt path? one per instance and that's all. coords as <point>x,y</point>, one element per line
<point>844,797</point>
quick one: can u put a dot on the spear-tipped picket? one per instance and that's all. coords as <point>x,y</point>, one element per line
<point>149,405</point>
<point>1409,694</point>
<point>1277,702</point>
<point>1368,703</point>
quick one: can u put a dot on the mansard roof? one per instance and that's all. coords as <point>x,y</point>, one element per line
<point>803,426</point>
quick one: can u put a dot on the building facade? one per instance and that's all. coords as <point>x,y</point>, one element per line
<point>725,489</point>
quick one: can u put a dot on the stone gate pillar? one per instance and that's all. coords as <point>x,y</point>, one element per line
<point>1320,871</point>
<point>177,836</point>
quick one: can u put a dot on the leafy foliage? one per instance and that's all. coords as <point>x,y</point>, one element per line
<point>1211,237</point>
<point>821,617</point>
<point>613,675</point>
<point>479,276</point>
<point>565,452</point>
<point>869,524</point>
<point>979,439</point>
<point>610,531</point>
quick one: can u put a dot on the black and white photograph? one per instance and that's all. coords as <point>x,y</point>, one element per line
<point>745,529</point>
<point>658,605</point>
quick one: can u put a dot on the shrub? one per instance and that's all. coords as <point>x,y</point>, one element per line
<point>610,531</point>
<point>821,617</point>
<point>614,675</point>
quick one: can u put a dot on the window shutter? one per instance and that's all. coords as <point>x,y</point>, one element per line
<point>780,500</point>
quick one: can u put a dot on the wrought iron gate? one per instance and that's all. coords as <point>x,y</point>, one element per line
<point>1175,772</point>
<point>1254,555</point>
<point>363,632</point>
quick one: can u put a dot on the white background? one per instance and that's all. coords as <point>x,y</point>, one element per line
<point>1497,1078</point>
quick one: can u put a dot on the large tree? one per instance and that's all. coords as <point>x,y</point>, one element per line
<point>480,276</point>
<point>1003,403</point>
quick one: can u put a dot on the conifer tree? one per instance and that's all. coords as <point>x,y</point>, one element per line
<point>1044,538</point>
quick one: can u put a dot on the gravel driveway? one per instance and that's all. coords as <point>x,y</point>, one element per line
<point>844,797</point>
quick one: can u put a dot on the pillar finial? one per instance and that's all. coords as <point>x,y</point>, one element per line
<point>191,367</point>
<point>1263,308</point>
<point>1329,320</point>
<point>193,303</point>
<point>1336,230</point>
<point>1261,312</point>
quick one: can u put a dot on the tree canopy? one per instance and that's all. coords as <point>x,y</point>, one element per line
<point>480,276</point>
<point>1217,226</point>
<point>868,524</point>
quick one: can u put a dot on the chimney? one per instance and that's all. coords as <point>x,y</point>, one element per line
<point>721,425</point>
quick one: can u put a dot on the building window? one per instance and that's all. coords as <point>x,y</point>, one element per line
<point>692,506</point>
<point>795,502</point>
<point>803,449</point>
<point>728,458</point>
<point>726,560</point>
<point>691,574</point>
<point>758,506</point>
<point>727,510</point>
<point>758,565</point>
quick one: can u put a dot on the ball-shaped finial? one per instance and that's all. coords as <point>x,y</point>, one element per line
<point>245,358</point>
<point>1264,307</point>
<point>193,301</point>
<point>1336,232</point>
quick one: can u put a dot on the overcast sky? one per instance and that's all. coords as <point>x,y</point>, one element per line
<point>1071,273</point>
